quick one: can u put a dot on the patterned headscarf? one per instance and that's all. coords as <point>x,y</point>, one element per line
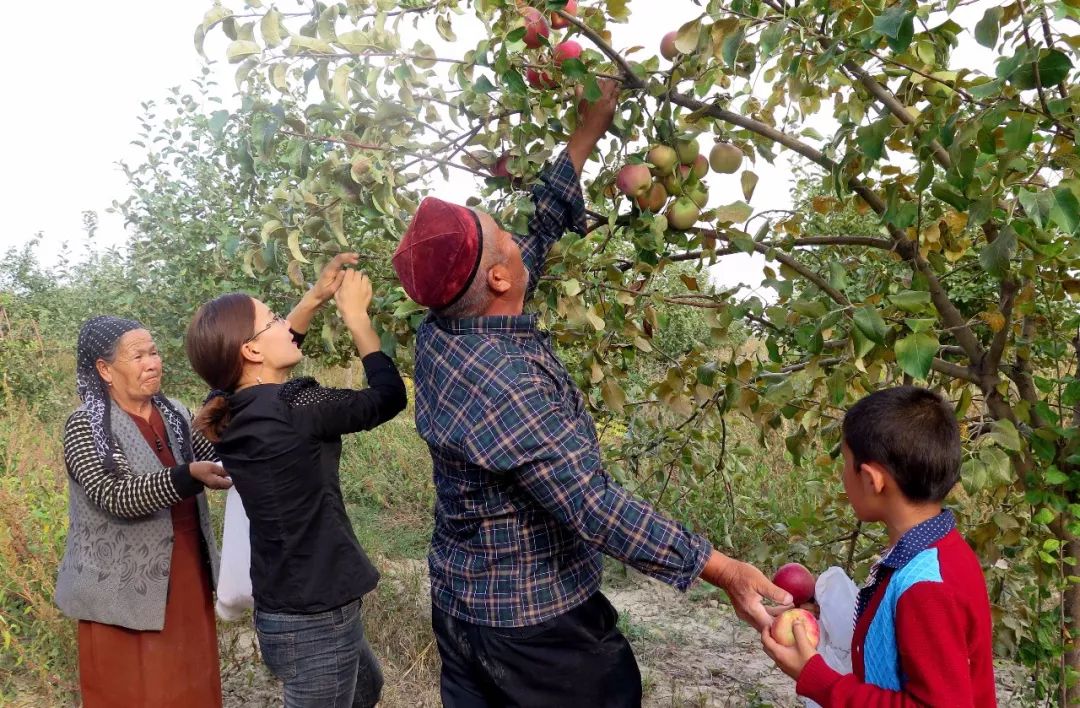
<point>97,339</point>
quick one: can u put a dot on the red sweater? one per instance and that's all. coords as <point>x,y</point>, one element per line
<point>924,638</point>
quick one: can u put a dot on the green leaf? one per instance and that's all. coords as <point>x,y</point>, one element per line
<point>1054,66</point>
<point>217,122</point>
<point>994,257</point>
<point>1066,210</point>
<point>910,300</point>
<point>1044,516</point>
<point>1005,434</point>
<point>1037,205</point>
<point>574,69</point>
<point>1018,133</point>
<point>889,22</point>
<point>513,82</point>
<point>837,275</point>
<point>592,89</point>
<point>483,85</point>
<point>871,139</point>
<point>870,324</point>
<point>920,324</point>
<point>986,30</point>
<point>915,353</point>
<point>1055,476</point>
<point>730,48</point>
<point>860,343</point>
<point>812,309</point>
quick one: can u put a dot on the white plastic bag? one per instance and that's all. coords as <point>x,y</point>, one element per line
<point>234,576</point>
<point>836,595</point>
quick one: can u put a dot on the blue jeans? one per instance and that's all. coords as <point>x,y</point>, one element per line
<point>323,659</point>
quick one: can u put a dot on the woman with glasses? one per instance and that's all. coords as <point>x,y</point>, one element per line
<point>280,440</point>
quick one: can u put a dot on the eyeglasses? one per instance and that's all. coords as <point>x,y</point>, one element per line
<point>273,322</point>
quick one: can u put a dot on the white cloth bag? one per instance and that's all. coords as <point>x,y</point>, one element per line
<point>234,577</point>
<point>836,595</point>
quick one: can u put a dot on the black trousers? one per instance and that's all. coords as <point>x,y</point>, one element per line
<point>577,659</point>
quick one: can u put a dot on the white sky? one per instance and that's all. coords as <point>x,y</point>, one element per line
<point>73,97</point>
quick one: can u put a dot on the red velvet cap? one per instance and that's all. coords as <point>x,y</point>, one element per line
<point>439,253</point>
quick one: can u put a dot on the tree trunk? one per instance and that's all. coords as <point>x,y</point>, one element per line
<point>1071,601</point>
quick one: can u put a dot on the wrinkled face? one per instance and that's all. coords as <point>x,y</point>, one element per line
<point>271,343</point>
<point>135,372</point>
<point>511,252</point>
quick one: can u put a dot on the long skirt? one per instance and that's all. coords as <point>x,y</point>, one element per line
<point>176,667</point>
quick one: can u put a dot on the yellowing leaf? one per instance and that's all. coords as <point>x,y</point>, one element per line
<point>240,50</point>
<point>270,26</point>
<point>341,84</point>
<point>294,246</point>
<point>613,395</point>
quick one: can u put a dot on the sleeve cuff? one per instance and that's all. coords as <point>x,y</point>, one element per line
<point>703,550</point>
<point>298,337</point>
<point>816,680</point>
<point>563,183</point>
<point>185,485</point>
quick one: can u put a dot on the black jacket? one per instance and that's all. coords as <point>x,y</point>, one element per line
<point>282,449</point>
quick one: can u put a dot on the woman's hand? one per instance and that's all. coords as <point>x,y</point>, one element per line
<point>331,277</point>
<point>211,474</point>
<point>353,296</point>
<point>353,299</point>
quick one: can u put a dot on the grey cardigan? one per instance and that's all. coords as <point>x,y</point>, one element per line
<point>120,536</point>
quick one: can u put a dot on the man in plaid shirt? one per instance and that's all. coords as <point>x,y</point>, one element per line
<point>524,508</point>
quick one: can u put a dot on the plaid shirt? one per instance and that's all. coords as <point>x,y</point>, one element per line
<point>523,505</point>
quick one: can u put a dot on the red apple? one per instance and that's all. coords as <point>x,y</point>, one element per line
<point>682,214</point>
<point>567,50</point>
<point>797,580</point>
<point>557,22</point>
<point>536,27</point>
<point>633,180</point>
<point>700,167</point>
<point>667,46</point>
<point>663,160</point>
<point>539,79</point>
<point>783,628</point>
<point>501,167</point>
<point>653,200</point>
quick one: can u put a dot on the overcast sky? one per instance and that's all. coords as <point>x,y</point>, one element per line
<point>75,84</point>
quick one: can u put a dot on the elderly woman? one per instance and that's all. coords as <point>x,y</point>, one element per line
<point>141,560</point>
<point>281,441</point>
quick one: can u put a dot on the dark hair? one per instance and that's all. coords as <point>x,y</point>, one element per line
<point>912,432</point>
<point>213,342</point>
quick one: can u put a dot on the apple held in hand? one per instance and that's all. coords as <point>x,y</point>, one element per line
<point>797,580</point>
<point>783,629</point>
<point>633,180</point>
<point>536,27</point>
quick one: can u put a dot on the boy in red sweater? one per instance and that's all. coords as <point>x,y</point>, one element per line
<point>922,622</point>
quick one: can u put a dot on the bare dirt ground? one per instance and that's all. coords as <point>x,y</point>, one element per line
<point>692,650</point>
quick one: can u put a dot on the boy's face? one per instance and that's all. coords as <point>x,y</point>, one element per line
<point>859,488</point>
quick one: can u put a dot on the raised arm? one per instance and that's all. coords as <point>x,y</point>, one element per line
<point>559,204</point>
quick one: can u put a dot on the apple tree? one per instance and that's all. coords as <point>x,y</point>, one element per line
<point>935,243</point>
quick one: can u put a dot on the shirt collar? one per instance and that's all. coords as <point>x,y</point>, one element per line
<point>919,538</point>
<point>490,324</point>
